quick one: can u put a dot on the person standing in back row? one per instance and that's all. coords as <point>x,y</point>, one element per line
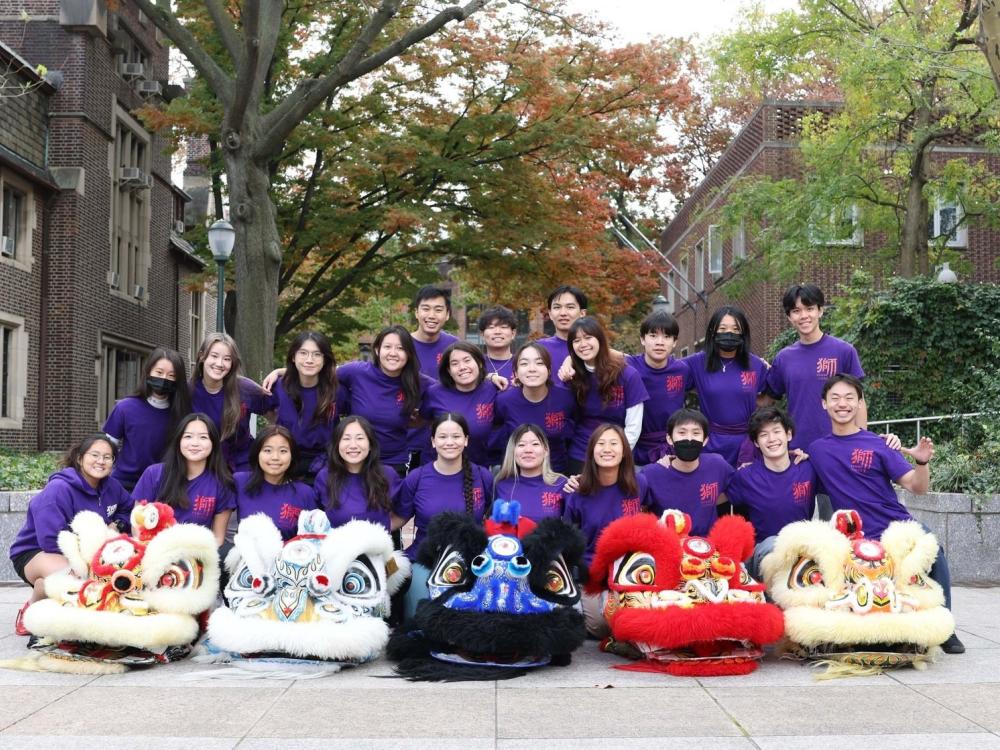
<point>566,304</point>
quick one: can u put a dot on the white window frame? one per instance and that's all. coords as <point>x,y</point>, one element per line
<point>699,265</point>
<point>857,238</point>
<point>129,247</point>
<point>960,234</point>
<point>24,242</point>
<point>15,359</point>
<point>683,264</point>
<point>715,250</point>
<point>671,295</point>
<point>196,320</point>
<point>740,242</point>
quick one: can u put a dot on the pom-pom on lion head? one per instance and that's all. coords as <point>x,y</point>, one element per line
<point>855,600</point>
<point>682,604</point>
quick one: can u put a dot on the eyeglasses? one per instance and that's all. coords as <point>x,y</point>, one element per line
<point>308,355</point>
<point>101,458</point>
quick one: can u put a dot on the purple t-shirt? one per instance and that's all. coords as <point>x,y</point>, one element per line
<point>502,367</point>
<point>142,431</point>
<point>427,492</point>
<point>207,496</point>
<point>857,471</point>
<point>695,493</point>
<point>773,499</point>
<point>538,500</point>
<point>476,406</point>
<point>379,398</point>
<point>311,439</point>
<point>430,354</point>
<point>556,414</point>
<point>66,494</point>
<point>592,513</point>
<point>253,400</point>
<point>666,387</point>
<point>727,397</point>
<point>800,370</point>
<point>354,499</point>
<point>558,350</point>
<point>282,503</point>
<point>628,391</point>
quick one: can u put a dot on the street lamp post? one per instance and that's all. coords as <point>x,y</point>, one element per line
<point>660,304</point>
<point>221,237</point>
<point>946,275</point>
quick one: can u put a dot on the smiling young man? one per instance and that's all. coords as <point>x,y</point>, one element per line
<point>800,369</point>
<point>773,491</point>
<point>566,304</point>
<point>858,470</point>
<point>432,309</point>
<point>666,380</point>
<point>498,327</point>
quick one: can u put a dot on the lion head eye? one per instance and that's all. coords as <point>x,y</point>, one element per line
<point>805,573</point>
<point>635,569</point>
<point>451,570</point>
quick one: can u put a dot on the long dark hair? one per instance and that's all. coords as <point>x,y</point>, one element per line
<point>326,388</point>
<point>713,361</point>
<point>410,377</point>
<point>589,480</point>
<point>607,365</point>
<point>449,416</point>
<point>373,478</point>
<point>542,352</point>
<point>71,459</point>
<point>230,383</point>
<point>444,369</point>
<point>174,481</point>
<point>180,399</point>
<point>256,480</point>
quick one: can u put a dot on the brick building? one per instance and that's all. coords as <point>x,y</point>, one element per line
<point>93,269</point>
<point>709,255</point>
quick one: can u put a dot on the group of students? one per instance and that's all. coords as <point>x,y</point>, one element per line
<point>577,429</point>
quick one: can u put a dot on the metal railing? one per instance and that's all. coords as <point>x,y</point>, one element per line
<point>921,420</point>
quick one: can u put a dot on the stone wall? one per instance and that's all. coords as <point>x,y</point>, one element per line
<point>13,506</point>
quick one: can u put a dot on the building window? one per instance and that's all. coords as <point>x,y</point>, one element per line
<point>947,221</point>
<point>13,370</point>
<point>740,242</point>
<point>121,370</point>
<point>699,265</point>
<point>841,226</point>
<point>130,210</point>
<point>197,324</point>
<point>715,250</point>
<point>17,219</point>
<point>671,296</point>
<point>133,60</point>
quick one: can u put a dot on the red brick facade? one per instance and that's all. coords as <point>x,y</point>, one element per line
<point>767,146</point>
<point>71,312</point>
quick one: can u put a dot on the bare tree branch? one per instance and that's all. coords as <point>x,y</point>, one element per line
<point>227,32</point>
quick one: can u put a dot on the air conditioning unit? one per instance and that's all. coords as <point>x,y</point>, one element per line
<point>7,246</point>
<point>133,70</point>
<point>130,174</point>
<point>139,291</point>
<point>114,280</point>
<point>149,88</point>
<point>146,183</point>
<point>179,226</point>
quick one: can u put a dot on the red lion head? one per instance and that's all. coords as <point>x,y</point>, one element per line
<point>685,605</point>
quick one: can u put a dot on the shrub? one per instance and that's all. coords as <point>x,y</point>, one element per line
<point>26,471</point>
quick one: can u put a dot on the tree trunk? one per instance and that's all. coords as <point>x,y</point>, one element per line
<point>989,36</point>
<point>257,260</point>
<point>913,256</point>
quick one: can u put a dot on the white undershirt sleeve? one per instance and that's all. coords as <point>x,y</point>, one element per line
<point>633,424</point>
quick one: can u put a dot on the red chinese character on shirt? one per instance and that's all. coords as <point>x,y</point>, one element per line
<point>204,505</point>
<point>801,491</point>
<point>617,395</point>
<point>399,397</point>
<point>484,413</point>
<point>708,493</point>
<point>551,500</point>
<point>861,460</point>
<point>555,421</point>
<point>630,506</point>
<point>674,383</point>
<point>438,358</point>
<point>289,514</point>
<point>748,379</point>
<point>826,366</point>
<point>477,498</point>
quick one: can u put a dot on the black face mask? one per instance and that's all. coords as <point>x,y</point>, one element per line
<point>728,342</point>
<point>688,450</point>
<point>161,385</point>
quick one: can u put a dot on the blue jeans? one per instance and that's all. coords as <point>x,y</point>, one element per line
<point>417,591</point>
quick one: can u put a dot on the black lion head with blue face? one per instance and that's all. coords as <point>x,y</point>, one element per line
<point>500,600</point>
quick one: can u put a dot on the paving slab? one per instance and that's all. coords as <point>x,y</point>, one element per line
<point>116,742</point>
<point>610,712</point>
<point>978,703</point>
<point>969,741</point>
<point>23,701</point>
<point>618,743</point>
<point>406,743</point>
<point>887,709</point>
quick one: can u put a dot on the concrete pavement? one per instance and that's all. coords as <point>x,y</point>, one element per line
<point>953,704</point>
